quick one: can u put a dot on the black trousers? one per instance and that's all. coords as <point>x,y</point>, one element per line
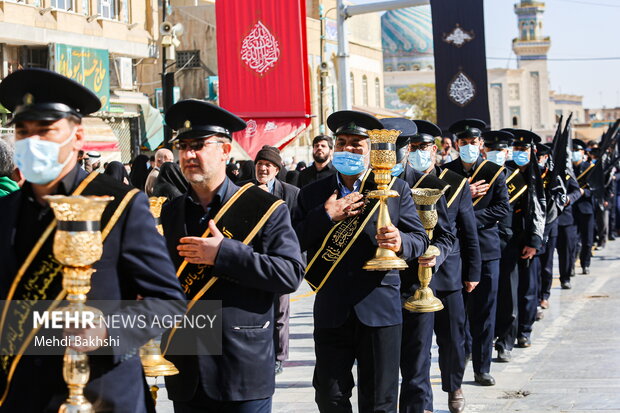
<point>377,352</point>
<point>546,268</point>
<point>450,333</point>
<point>528,295</point>
<point>507,296</point>
<point>567,241</point>
<point>481,307</point>
<point>585,227</point>
<point>415,362</point>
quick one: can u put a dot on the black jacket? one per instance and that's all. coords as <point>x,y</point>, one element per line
<point>134,261</point>
<point>373,295</point>
<point>447,276</point>
<point>250,277</point>
<point>491,209</point>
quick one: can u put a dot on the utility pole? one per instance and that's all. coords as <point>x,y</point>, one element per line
<point>167,80</point>
<point>344,12</point>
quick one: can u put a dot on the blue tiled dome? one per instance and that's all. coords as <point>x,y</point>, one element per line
<point>407,36</point>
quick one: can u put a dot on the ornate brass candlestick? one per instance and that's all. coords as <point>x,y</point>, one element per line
<point>77,245</point>
<point>153,363</point>
<point>382,160</point>
<point>424,301</point>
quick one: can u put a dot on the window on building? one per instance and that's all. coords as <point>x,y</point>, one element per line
<point>188,59</point>
<point>515,116</point>
<point>513,91</point>
<point>377,92</point>
<point>36,57</point>
<point>558,115</point>
<point>107,9</point>
<point>364,90</point>
<point>63,5</point>
<point>86,7</point>
<point>352,87</point>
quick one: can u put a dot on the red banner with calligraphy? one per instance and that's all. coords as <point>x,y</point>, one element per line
<point>263,69</point>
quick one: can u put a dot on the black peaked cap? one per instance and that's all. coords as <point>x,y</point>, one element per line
<point>497,139</point>
<point>406,127</point>
<point>468,128</point>
<point>427,131</point>
<point>525,138</point>
<point>194,118</point>
<point>352,122</point>
<point>40,94</point>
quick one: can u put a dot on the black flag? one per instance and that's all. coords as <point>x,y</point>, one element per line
<point>460,61</point>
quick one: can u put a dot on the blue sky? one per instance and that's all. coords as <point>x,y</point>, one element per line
<point>578,29</point>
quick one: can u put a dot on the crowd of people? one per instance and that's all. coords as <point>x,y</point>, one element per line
<point>248,232</point>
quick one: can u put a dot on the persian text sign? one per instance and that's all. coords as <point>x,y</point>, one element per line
<point>263,67</point>
<point>89,67</point>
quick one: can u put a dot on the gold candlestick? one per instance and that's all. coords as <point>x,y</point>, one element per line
<point>153,362</point>
<point>382,160</point>
<point>78,245</point>
<point>424,301</point>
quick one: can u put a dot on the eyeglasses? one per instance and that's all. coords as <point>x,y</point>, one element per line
<point>193,145</point>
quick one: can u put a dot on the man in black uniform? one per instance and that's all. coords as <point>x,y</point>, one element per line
<point>230,244</point>
<point>518,290</point>
<point>47,114</point>
<point>583,209</point>
<point>415,359</point>
<point>490,200</point>
<point>460,268</point>
<point>357,313</point>
<point>561,231</point>
<point>322,150</point>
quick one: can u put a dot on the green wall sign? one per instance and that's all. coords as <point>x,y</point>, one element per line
<point>90,67</point>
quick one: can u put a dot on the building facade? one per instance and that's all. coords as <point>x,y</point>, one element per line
<point>518,98</point>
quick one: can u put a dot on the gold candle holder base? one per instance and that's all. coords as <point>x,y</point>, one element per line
<point>154,363</point>
<point>423,300</point>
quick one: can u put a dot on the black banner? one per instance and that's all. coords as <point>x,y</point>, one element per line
<point>460,61</point>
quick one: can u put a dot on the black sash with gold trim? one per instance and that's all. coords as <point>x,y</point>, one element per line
<point>456,183</point>
<point>516,185</point>
<point>40,278</point>
<point>583,177</point>
<point>341,237</point>
<point>240,218</point>
<point>488,171</point>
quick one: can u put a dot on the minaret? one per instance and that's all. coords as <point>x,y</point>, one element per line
<point>531,48</point>
<point>531,44</point>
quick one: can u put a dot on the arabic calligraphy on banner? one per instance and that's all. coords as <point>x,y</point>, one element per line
<point>260,49</point>
<point>90,67</point>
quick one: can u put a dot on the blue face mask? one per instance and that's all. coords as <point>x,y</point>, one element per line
<point>420,160</point>
<point>348,163</point>
<point>469,153</point>
<point>497,157</point>
<point>577,156</point>
<point>521,158</point>
<point>38,159</point>
<point>398,169</point>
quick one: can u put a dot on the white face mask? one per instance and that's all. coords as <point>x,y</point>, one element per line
<point>38,159</point>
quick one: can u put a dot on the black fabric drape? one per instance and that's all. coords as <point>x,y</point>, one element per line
<point>460,61</point>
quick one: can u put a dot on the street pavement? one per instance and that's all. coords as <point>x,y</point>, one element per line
<point>573,364</point>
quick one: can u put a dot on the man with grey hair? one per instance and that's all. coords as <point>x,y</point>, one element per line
<point>9,174</point>
<point>161,156</point>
